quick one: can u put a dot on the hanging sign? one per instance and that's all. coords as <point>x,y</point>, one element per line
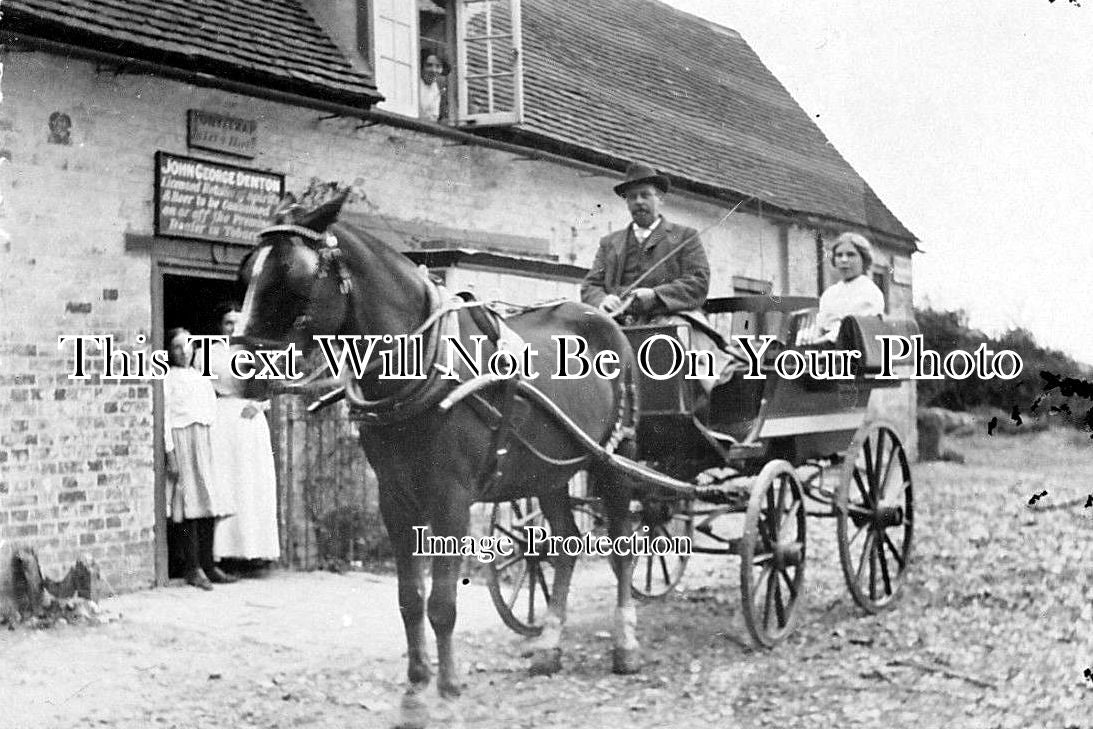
<point>220,133</point>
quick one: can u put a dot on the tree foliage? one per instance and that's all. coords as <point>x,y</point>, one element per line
<point>944,331</point>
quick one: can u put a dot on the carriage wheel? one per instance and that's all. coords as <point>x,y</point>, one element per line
<point>874,513</point>
<point>772,554</point>
<point>657,575</point>
<point>520,584</point>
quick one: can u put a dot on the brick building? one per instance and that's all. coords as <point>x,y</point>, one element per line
<point>546,105</point>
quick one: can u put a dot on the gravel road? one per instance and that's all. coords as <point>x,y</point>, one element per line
<point>993,631</point>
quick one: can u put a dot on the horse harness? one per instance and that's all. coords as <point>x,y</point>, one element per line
<point>444,387</point>
<point>435,389</point>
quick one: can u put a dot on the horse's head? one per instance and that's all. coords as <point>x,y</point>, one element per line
<point>296,283</point>
<point>303,281</point>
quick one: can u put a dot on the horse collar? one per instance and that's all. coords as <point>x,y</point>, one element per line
<point>295,230</point>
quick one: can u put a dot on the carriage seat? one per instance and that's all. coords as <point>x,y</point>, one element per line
<point>861,332</point>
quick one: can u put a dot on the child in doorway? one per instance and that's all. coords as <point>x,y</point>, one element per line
<point>193,496</point>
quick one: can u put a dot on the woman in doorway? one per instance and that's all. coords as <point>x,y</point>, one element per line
<point>193,497</point>
<point>242,459</point>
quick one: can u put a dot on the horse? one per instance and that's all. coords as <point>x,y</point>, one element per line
<point>433,442</point>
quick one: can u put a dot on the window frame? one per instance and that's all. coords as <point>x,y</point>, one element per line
<point>371,9</point>
<point>457,98</point>
<point>459,69</point>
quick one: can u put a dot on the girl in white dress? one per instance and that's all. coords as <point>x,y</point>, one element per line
<point>194,497</point>
<point>854,294</point>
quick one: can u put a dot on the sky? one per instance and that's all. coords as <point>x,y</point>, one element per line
<point>973,122</point>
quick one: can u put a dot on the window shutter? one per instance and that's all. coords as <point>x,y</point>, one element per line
<point>490,63</point>
<point>394,43</point>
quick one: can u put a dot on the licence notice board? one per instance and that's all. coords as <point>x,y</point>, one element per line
<point>212,201</point>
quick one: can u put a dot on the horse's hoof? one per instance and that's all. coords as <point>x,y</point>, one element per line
<point>625,661</point>
<point>449,691</point>
<point>546,662</point>
<point>413,713</point>
<point>449,714</point>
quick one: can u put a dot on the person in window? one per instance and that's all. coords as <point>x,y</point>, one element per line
<point>242,459</point>
<point>645,253</point>
<point>432,93</point>
<point>194,498</point>
<point>854,294</point>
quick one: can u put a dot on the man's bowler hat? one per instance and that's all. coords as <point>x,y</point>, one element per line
<point>640,173</point>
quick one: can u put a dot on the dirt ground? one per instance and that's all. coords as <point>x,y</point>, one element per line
<point>993,631</point>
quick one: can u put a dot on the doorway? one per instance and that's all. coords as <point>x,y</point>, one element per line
<point>192,301</point>
<point>189,299</point>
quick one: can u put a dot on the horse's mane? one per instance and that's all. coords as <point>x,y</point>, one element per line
<point>357,235</point>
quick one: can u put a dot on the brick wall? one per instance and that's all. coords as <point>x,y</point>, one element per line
<point>76,464</point>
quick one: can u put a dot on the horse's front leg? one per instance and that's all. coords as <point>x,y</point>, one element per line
<point>546,649</point>
<point>411,603</point>
<point>442,611</point>
<point>626,656</point>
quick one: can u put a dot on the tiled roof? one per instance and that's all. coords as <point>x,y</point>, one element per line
<point>600,78</point>
<point>273,43</point>
<point>611,75</point>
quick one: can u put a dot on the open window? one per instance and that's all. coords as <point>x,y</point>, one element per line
<point>393,40</point>
<point>489,65</point>
<point>452,61</point>
<point>746,323</point>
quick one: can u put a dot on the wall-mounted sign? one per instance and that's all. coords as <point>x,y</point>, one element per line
<point>220,133</point>
<point>211,201</point>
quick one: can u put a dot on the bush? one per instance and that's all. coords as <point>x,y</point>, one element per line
<point>945,331</point>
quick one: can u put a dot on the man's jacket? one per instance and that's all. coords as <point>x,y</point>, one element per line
<point>681,283</point>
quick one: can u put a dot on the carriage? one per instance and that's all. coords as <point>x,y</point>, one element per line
<point>774,450</point>
<point>442,440</point>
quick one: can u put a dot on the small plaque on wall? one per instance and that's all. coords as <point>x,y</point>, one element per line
<point>221,133</point>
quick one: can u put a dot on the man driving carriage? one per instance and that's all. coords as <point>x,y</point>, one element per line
<point>653,270</point>
<point>637,271</point>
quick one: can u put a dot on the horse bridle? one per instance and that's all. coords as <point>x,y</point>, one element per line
<point>330,258</point>
<point>407,400</point>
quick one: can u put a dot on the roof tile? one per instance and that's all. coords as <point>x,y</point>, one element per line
<point>274,40</point>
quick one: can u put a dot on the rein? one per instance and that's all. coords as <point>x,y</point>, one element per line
<point>417,395</point>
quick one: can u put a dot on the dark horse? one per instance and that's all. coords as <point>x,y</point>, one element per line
<point>432,460</point>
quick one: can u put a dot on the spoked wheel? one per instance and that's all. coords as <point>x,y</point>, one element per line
<point>520,584</point>
<point>874,514</point>
<point>658,574</point>
<point>772,554</point>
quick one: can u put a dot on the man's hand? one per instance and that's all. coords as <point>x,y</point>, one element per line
<point>249,411</point>
<point>610,304</point>
<point>172,465</point>
<point>645,298</point>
